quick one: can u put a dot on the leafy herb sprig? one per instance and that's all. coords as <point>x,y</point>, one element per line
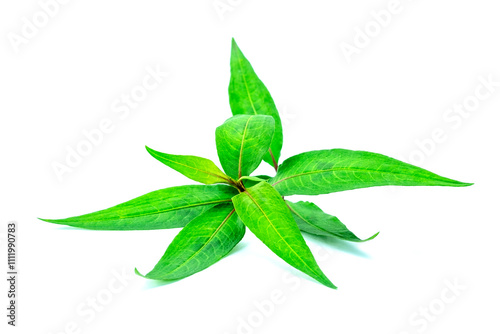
<point>214,216</point>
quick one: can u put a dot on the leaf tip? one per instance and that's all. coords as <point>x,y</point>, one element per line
<point>358,240</point>
<point>138,273</point>
<point>456,183</point>
<point>330,285</point>
<point>53,221</point>
<point>323,279</point>
<point>153,153</point>
<point>466,184</point>
<point>235,49</point>
<point>372,237</point>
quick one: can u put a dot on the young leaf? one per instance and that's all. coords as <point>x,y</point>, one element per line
<point>249,96</point>
<point>250,181</point>
<point>263,211</point>
<point>242,141</point>
<point>263,177</point>
<point>204,241</point>
<point>160,209</point>
<point>196,168</point>
<point>312,219</point>
<point>255,179</point>
<point>327,171</point>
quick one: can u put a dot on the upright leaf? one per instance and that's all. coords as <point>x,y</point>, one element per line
<point>242,141</point>
<point>312,219</point>
<point>263,211</point>
<point>204,241</point>
<point>327,171</point>
<point>196,168</point>
<point>249,96</point>
<point>160,209</point>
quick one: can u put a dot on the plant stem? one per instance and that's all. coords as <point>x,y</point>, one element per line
<point>274,160</point>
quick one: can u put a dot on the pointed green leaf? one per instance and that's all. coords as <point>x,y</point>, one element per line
<point>255,179</point>
<point>327,171</point>
<point>311,219</point>
<point>263,177</point>
<point>242,141</point>
<point>196,168</point>
<point>160,209</point>
<point>264,212</point>
<point>250,181</point>
<point>249,96</point>
<point>203,242</point>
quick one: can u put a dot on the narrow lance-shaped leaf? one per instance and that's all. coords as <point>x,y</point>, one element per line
<point>263,211</point>
<point>311,219</point>
<point>203,242</point>
<point>249,96</point>
<point>160,209</point>
<point>242,141</point>
<point>196,168</point>
<point>327,171</point>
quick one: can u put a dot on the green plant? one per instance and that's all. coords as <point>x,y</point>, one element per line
<point>214,216</point>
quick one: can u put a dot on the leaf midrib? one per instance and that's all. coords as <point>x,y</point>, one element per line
<point>199,170</point>
<point>204,244</point>
<point>348,169</point>
<point>239,60</point>
<point>281,237</point>
<point>307,221</point>
<point>245,82</point>
<point>164,211</point>
<point>240,161</point>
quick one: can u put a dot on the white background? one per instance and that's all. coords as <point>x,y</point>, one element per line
<point>394,92</point>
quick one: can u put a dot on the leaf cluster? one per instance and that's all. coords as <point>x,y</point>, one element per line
<point>215,215</point>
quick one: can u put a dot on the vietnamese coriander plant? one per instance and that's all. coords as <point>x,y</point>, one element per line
<point>215,215</point>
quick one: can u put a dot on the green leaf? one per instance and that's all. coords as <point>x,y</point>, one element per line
<point>312,219</point>
<point>327,171</point>
<point>160,209</point>
<point>264,212</point>
<point>242,141</point>
<point>254,179</point>
<point>196,168</point>
<point>203,242</point>
<point>249,96</point>
<point>249,181</point>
